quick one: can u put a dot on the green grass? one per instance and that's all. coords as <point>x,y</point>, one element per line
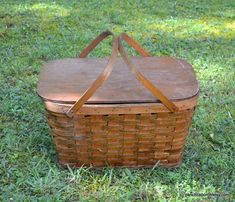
<point>33,32</point>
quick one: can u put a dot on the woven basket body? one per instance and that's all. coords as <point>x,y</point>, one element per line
<point>115,126</point>
<point>140,138</point>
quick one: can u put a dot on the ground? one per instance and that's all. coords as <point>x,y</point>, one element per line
<point>34,32</point>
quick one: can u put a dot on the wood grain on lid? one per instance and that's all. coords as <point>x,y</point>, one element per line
<point>65,80</point>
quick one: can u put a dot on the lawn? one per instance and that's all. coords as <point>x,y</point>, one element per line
<point>34,32</point>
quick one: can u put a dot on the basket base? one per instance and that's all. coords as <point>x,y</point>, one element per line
<point>73,165</point>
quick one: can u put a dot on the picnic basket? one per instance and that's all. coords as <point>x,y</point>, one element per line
<point>138,116</point>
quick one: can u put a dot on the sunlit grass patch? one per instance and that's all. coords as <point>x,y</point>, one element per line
<point>49,9</point>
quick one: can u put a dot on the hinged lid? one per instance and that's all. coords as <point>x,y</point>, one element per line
<point>66,80</point>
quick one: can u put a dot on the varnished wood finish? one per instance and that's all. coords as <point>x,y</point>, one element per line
<point>104,109</point>
<point>143,80</point>
<point>66,80</point>
<point>106,73</point>
<point>98,82</point>
<point>118,127</point>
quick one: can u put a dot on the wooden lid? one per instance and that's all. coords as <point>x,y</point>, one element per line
<point>66,80</point>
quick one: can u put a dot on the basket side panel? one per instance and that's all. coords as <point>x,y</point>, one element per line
<point>121,140</point>
<point>62,131</point>
<point>173,129</point>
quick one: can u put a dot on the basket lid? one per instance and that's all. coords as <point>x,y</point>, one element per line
<point>65,80</point>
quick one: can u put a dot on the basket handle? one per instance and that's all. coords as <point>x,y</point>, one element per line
<point>107,71</point>
<point>94,43</point>
<point>105,34</point>
<point>102,77</point>
<point>146,83</point>
<point>135,45</point>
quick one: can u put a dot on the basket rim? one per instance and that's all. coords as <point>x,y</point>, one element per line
<point>133,108</point>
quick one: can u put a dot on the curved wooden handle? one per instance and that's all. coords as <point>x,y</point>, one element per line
<point>146,83</point>
<point>94,43</point>
<point>135,45</point>
<point>107,71</point>
<point>125,37</point>
<point>102,77</point>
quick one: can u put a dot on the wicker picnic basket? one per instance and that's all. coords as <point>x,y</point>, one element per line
<point>133,120</point>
